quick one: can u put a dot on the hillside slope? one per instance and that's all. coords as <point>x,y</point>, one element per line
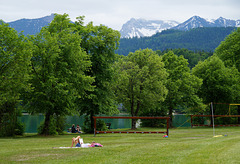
<point>206,39</point>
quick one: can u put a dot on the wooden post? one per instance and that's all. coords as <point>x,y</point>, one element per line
<point>191,121</point>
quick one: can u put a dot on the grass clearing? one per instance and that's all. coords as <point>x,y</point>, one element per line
<point>196,145</point>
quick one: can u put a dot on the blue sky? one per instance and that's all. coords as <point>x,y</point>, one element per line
<point>114,13</point>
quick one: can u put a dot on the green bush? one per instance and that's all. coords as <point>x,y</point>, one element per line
<point>87,125</point>
<point>60,124</point>
<point>19,128</point>
<point>153,122</point>
<point>101,125</point>
<point>52,127</point>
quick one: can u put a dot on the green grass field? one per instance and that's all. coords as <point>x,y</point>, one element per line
<point>196,145</point>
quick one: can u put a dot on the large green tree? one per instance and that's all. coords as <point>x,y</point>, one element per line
<point>58,70</point>
<point>141,82</point>
<point>181,84</point>
<point>100,43</point>
<point>229,50</point>
<point>15,54</point>
<point>219,82</point>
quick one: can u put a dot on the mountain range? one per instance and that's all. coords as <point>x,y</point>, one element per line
<point>196,21</point>
<point>196,39</point>
<point>133,27</point>
<point>31,26</point>
<point>140,27</point>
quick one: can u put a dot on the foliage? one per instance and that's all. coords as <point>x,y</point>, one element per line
<point>15,54</point>
<point>52,130</point>
<point>100,43</point>
<point>154,122</point>
<point>58,70</point>
<point>181,84</point>
<point>60,124</point>
<point>229,50</point>
<point>19,128</point>
<point>197,39</point>
<point>101,126</point>
<point>219,82</point>
<point>192,57</point>
<point>141,82</point>
<point>56,125</point>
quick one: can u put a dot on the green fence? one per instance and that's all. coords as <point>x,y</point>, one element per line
<point>181,120</point>
<point>32,122</point>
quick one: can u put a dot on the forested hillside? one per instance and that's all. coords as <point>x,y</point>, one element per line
<point>206,39</point>
<point>192,57</point>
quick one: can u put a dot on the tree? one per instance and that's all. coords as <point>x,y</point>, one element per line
<point>181,84</point>
<point>192,57</point>
<point>229,50</point>
<point>15,54</point>
<point>58,70</point>
<point>219,82</point>
<point>100,43</point>
<point>141,82</point>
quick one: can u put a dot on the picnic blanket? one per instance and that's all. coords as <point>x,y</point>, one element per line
<point>83,145</point>
<point>87,145</point>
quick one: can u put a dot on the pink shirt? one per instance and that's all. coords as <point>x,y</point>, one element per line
<point>96,145</point>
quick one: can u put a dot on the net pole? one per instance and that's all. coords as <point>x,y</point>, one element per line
<point>213,119</point>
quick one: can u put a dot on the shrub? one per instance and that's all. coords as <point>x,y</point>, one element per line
<point>101,125</point>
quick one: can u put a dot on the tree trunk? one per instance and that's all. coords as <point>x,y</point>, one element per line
<point>92,121</point>
<point>134,124</point>
<point>45,130</point>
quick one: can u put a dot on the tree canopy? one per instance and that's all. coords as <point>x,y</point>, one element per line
<point>181,84</point>
<point>141,81</point>
<point>219,82</point>
<point>58,71</point>
<point>100,43</point>
<point>229,50</point>
<point>15,54</point>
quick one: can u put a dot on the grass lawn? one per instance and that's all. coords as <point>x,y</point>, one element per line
<point>196,145</point>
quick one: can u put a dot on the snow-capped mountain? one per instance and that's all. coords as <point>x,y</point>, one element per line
<point>31,26</point>
<point>142,27</point>
<point>222,22</point>
<point>132,28</point>
<point>196,21</point>
<point>193,22</point>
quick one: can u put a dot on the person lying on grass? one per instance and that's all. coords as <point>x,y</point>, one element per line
<point>79,143</point>
<point>76,141</point>
<point>94,144</point>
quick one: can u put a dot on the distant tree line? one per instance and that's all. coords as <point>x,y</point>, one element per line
<point>71,68</point>
<point>192,57</point>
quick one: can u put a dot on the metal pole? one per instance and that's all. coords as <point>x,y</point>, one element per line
<point>213,119</point>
